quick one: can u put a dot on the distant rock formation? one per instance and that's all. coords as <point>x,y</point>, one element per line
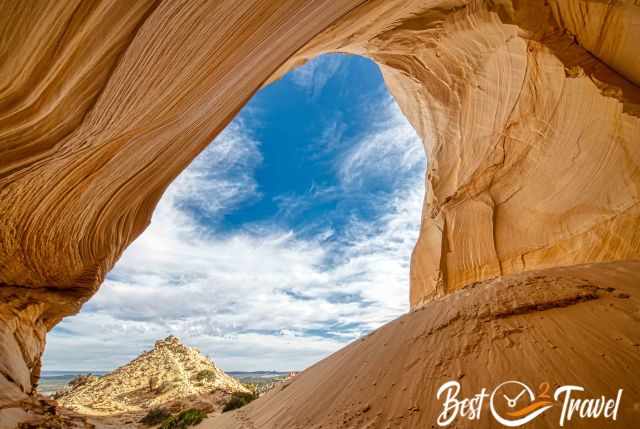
<point>168,372</point>
<point>528,110</point>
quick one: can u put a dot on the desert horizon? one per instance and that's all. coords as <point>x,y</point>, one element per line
<point>319,214</point>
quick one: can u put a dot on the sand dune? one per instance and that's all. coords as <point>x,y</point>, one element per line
<point>530,115</point>
<point>578,325</point>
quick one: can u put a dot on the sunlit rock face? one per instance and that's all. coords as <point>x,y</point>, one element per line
<point>529,117</point>
<point>528,111</point>
<point>531,138</point>
<point>170,371</point>
<point>534,327</point>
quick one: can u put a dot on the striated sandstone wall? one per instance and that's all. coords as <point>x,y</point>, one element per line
<point>529,113</point>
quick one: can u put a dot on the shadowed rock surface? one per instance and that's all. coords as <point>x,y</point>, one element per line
<point>529,113</point>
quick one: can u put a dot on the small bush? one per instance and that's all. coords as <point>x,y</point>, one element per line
<point>239,399</point>
<point>190,417</point>
<point>206,375</point>
<point>155,416</point>
<point>169,423</point>
<point>81,380</point>
<point>251,387</point>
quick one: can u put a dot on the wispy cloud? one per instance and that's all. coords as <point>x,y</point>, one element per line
<point>219,179</point>
<point>388,152</point>
<point>315,74</point>
<point>268,298</point>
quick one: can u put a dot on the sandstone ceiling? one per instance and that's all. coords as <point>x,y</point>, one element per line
<point>529,112</point>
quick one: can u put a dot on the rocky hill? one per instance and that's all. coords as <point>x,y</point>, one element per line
<point>529,113</point>
<point>168,372</point>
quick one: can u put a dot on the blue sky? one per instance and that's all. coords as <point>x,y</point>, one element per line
<point>287,238</point>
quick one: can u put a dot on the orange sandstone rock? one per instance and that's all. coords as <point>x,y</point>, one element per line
<point>528,112</point>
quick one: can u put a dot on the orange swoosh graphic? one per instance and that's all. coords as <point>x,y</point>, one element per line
<point>529,409</point>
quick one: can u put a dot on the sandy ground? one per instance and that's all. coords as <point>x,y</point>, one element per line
<point>577,325</point>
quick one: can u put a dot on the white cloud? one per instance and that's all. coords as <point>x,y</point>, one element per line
<point>265,299</point>
<point>315,74</point>
<point>221,177</point>
<point>390,151</point>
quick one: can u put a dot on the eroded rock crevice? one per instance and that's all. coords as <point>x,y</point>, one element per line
<point>26,315</point>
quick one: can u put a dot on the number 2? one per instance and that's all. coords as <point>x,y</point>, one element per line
<point>544,390</point>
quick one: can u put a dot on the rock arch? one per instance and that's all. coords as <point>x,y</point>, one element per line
<point>528,111</point>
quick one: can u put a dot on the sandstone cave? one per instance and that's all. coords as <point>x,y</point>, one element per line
<point>527,259</point>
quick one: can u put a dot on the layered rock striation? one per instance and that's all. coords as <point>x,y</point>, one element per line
<point>528,112</point>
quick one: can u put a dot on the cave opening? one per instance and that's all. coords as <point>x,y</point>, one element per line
<point>529,238</point>
<point>287,238</point>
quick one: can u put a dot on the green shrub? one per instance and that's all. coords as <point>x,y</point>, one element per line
<point>206,374</point>
<point>155,416</point>
<point>169,423</point>
<point>251,387</point>
<point>239,399</point>
<point>190,417</point>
